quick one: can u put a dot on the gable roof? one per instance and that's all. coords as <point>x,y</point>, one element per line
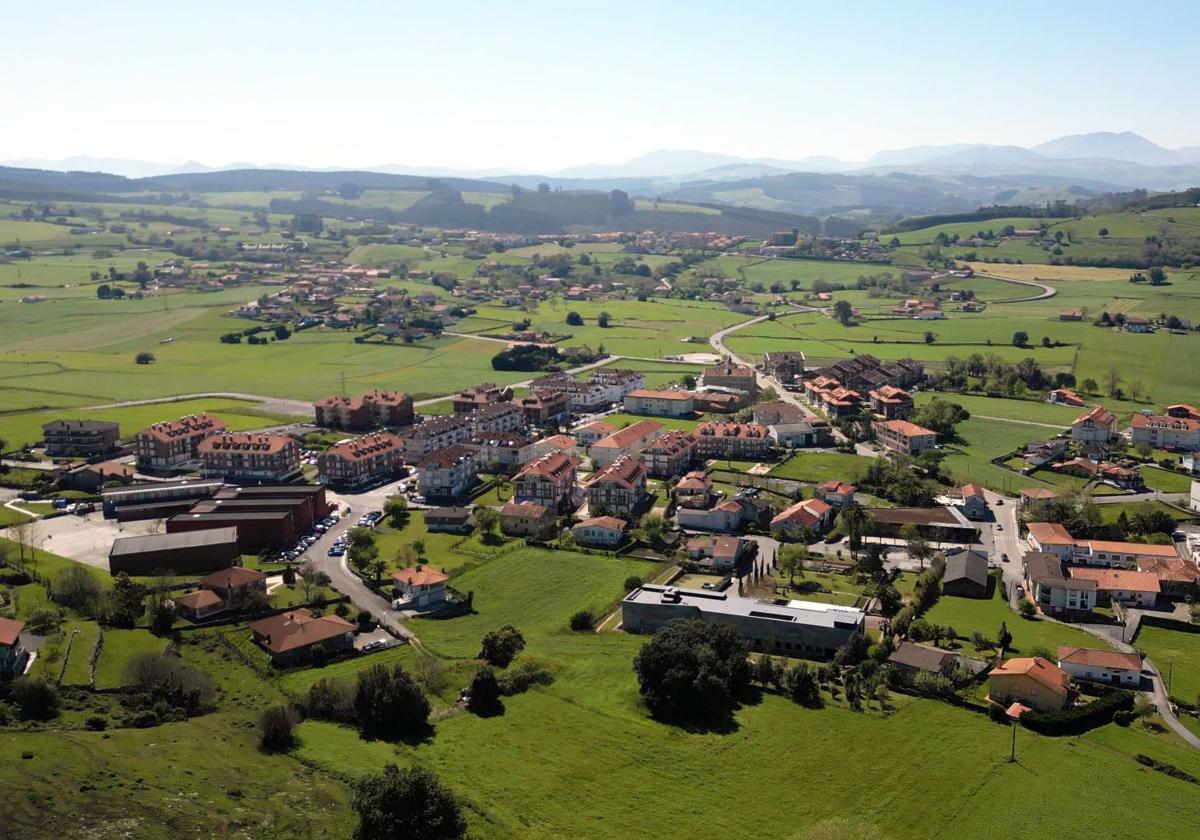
<point>610,522</point>
<point>923,657</point>
<point>199,599</point>
<point>419,576</point>
<point>1037,668</point>
<point>233,576</point>
<point>966,564</point>
<point>10,630</point>
<point>1100,658</point>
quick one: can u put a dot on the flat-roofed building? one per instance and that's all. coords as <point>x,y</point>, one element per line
<point>256,530</point>
<point>806,629</point>
<point>188,553</point>
<point>80,438</point>
<point>134,496</point>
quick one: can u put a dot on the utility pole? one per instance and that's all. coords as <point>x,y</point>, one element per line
<point>1012,756</point>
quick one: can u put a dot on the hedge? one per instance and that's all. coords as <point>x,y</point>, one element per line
<point>1080,719</point>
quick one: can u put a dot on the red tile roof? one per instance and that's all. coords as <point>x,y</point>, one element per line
<point>630,434</point>
<point>1111,579</point>
<point>233,576</point>
<point>1100,658</point>
<point>1042,670</point>
<point>297,629</point>
<point>907,429</point>
<point>10,630</point>
<point>245,442</point>
<point>419,576</point>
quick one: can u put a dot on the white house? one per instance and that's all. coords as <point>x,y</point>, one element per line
<point>419,586</point>
<point>599,530</point>
<point>1103,666</point>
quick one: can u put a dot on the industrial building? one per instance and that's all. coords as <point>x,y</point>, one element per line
<point>192,552</point>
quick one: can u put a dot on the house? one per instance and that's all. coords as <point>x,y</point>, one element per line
<point>741,441</point>
<point>1125,586</point>
<point>670,455</point>
<point>527,519</point>
<point>890,403</point>
<point>1054,538</point>
<point>1033,495</point>
<point>298,636</point>
<point>90,478</point>
<point>1031,681</point>
<point>660,403</point>
<point>1052,591</point>
<point>606,531</point>
<point>542,407</point>
<point>904,437</point>
<point>966,574</point>
<point>549,481</point>
<point>1096,426</point>
<point>249,457</point>
<point>505,453</point>
<point>80,438</point>
<point>618,488</point>
<point>447,473</point>
<point>596,430</point>
<point>835,493</point>
<point>910,658</point>
<point>419,587</point>
<point>364,411</point>
<point>790,425</point>
<point>227,589</point>
<point>786,365</point>
<point>1065,396</point>
<point>813,514</point>
<point>735,377</point>
<point>722,554</point>
<point>174,442</point>
<point>724,517</point>
<point>1103,666</point>
<point>452,520</point>
<point>694,490</point>
<point>13,656</point>
<point>974,503</point>
<point>488,393</point>
<point>1039,452</point>
<point>1177,578</point>
<point>628,441</point>
<point>1165,432</point>
<point>364,460</point>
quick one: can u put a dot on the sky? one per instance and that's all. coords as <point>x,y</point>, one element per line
<point>537,86</point>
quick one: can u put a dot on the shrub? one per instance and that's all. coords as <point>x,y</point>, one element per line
<point>164,678</point>
<point>500,647</point>
<point>484,694</point>
<point>1081,718</point>
<point>406,803</point>
<point>275,728</point>
<point>330,699</point>
<point>43,622</point>
<point>389,703</point>
<point>364,620</point>
<point>802,685</point>
<point>632,582</point>
<point>583,620</point>
<point>1026,608</point>
<point>96,723</point>
<point>521,676</point>
<point>35,699</point>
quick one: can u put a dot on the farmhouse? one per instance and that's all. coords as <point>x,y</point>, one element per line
<point>169,444</point>
<point>451,520</point>
<point>1103,666</point>
<point>227,589</point>
<point>1065,396</point>
<point>249,456</point>
<point>178,553</point>
<point>80,438</point>
<point>297,636</point>
<point>660,403</point>
<point>904,437</point>
<point>527,519</point>
<point>803,628</point>
<point>1034,682</point>
<point>13,656</point>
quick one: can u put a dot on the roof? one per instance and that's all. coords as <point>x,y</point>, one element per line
<point>1043,567</point>
<point>199,599</point>
<point>1038,668</point>
<point>965,564</point>
<point>695,480</point>
<point>610,522</point>
<point>171,542</point>
<point>601,427</point>
<point>551,465</point>
<point>374,396</point>
<point>79,426</point>
<point>922,657</point>
<point>625,472</point>
<point>451,456</point>
<point>1117,578</point>
<point>804,512</point>
<point>946,517</point>
<point>969,490</point>
<point>841,488</point>
<point>1140,549</point>
<point>448,514</point>
<point>1100,658</point>
<point>645,393</point>
<point>10,630</point>
<point>364,447</point>
<point>419,576</point>
<point>524,509</point>
<point>558,441</point>
<point>1172,569</point>
<point>1150,421</point>
<point>189,425</point>
<point>1097,414</point>
<point>298,629</point>
<point>1050,533</point>
<point>713,545</point>
<point>721,428</point>
<point>811,613</point>
<point>1038,493</point>
<point>728,370</point>
<point>245,442</point>
<point>233,576</point>
<point>630,434</point>
<point>671,443</point>
<point>906,428</point>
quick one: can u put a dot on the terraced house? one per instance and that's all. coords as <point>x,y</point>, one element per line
<point>549,481</point>
<point>364,411</point>
<point>619,488</point>
<point>365,460</point>
<point>249,456</point>
<point>174,442</point>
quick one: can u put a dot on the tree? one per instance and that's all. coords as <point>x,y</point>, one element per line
<point>1004,637</point>
<point>1102,232</point>
<point>144,358</point>
<point>275,726</point>
<point>844,312</point>
<point>104,291</point>
<point>1090,386</point>
<point>76,588</point>
<point>35,699</point>
<point>854,521</point>
<point>484,693</point>
<point>802,686</point>
<point>487,520</point>
<point>583,620</point>
<point>500,647</point>
<point>282,333</point>
<point>312,580</point>
<point>792,557</point>
<point>1020,339</point>
<point>918,546</point>
<point>1026,608</point>
<point>691,670</point>
<point>388,702</point>
<point>1113,380</point>
<point>410,803</point>
<point>574,319</point>
<point>603,320</point>
<point>632,582</point>
<point>125,602</point>
<point>1137,390</point>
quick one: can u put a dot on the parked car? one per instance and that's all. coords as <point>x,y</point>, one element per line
<point>375,645</point>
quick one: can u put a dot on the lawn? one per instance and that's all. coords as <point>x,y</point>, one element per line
<point>980,441</point>
<point>966,615</point>
<point>1110,512</point>
<point>535,590</point>
<point>297,682</point>
<point>821,466</point>
<point>1029,410</point>
<point>118,647</point>
<point>79,663</point>
<point>1176,652</point>
<point>621,420</point>
<point>1166,481</point>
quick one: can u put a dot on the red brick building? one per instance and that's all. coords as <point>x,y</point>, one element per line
<point>168,444</point>
<point>249,456</point>
<point>370,458</point>
<point>364,411</point>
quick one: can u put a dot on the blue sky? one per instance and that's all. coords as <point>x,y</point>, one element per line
<point>539,85</point>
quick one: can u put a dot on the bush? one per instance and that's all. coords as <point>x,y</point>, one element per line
<point>330,699</point>
<point>1081,718</point>
<point>289,576</point>
<point>164,678</point>
<point>96,723</point>
<point>275,728</point>
<point>43,622</point>
<point>802,685</point>
<point>632,582</point>
<point>500,647</point>
<point>583,620</point>
<point>76,588</point>
<point>484,694</point>
<point>1026,608</point>
<point>365,621</point>
<point>406,803</point>
<point>693,670</point>
<point>389,703</point>
<point>35,699</point>
<point>521,676</point>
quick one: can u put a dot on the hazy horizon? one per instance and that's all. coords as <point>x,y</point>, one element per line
<point>535,87</point>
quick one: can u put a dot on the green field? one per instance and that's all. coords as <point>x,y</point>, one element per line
<point>1177,652</point>
<point>118,647</point>
<point>821,466</point>
<point>1029,411</point>
<point>79,662</point>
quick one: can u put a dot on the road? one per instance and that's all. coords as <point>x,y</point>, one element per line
<point>717,341</point>
<point>1047,291</point>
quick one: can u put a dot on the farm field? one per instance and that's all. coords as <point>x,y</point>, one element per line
<point>1176,651</point>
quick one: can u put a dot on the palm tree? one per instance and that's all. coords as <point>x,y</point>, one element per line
<point>854,522</point>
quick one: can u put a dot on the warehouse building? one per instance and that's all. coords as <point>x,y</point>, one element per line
<point>268,529</point>
<point>192,552</point>
<point>123,502</point>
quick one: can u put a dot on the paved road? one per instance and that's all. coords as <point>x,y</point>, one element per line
<point>717,340</point>
<point>1047,291</point>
